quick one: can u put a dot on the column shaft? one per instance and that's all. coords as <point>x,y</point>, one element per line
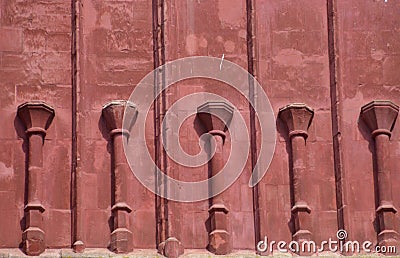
<point>216,117</point>
<point>35,167</point>
<point>120,169</point>
<point>300,209</point>
<point>113,113</point>
<point>36,117</point>
<point>219,238</point>
<point>386,210</point>
<point>299,166</point>
<point>297,118</point>
<point>217,163</point>
<point>380,117</point>
<point>121,237</point>
<point>382,158</point>
<point>33,235</point>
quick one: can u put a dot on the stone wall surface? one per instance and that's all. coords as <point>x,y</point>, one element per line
<point>320,63</point>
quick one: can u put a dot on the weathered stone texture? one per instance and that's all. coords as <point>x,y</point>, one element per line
<point>78,65</point>
<point>32,68</point>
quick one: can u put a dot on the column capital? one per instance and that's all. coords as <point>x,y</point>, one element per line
<point>36,116</point>
<point>301,207</point>
<point>113,114</point>
<point>218,208</point>
<point>380,116</point>
<point>215,115</point>
<point>121,206</point>
<point>218,132</point>
<point>388,207</point>
<point>297,117</point>
<point>34,206</point>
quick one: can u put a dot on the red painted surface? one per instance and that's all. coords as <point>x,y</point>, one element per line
<point>301,51</point>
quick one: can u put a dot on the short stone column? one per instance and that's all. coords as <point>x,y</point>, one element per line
<point>380,117</point>
<point>297,118</point>
<point>113,112</point>
<point>208,113</point>
<point>37,117</point>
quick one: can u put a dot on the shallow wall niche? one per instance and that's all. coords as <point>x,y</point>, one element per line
<point>298,118</point>
<point>380,117</point>
<point>113,112</point>
<point>215,117</point>
<point>36,117</point>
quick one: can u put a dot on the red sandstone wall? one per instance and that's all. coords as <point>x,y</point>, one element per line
<point>293,66</point>
<point>368,70</point>
<point>116,53</point>
<point>115,49</point>
<point>35,65</point>
<point>222,33</point>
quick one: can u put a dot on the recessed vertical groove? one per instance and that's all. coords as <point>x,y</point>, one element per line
<point>250,13</point>
<point>73,129</point>
<point>76,230</point>
<point>335,116</point>
<point>161,207</point>
<point>164,163</point>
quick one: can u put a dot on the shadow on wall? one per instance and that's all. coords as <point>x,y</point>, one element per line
<point>283,132</point>
<point>366,134</point>
<point>106,135</point>
<point>200,130</point>
<point>20,130</point>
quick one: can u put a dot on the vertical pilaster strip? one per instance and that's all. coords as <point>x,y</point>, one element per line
<point>113,112</point>
<point>219,237</point>
<point>335,116</point>
<point>160,220</point>
<point>76,185</point>
<point>166,245</point>
<point>37,117</point>
<point>298,118</point>
<point>252,68</point>
<point>380,117</point>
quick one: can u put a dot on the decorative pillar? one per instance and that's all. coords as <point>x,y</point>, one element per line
<point>113,112</point>
<point>208,113</point>
<point>380,117</point>
<point>297,118</point>
<point>37,117</point>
